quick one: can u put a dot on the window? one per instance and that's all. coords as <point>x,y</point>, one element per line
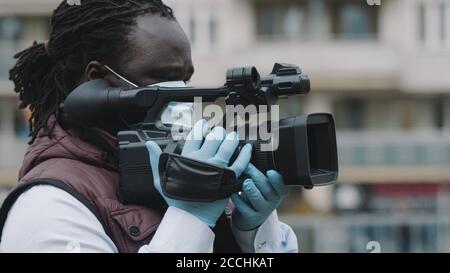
<point>446,114</point>
<point>284,20</point>
<point>432,24</point>
<point>422,22</point>
<point>10,30</point>
<point>21,126</point>
<point>355,114</point>
<point>443,21</point>
<point>438,113</point>
<point>192,28</point>
<point>212,29</point>
<point>354,20</point>
<point>350,114</point>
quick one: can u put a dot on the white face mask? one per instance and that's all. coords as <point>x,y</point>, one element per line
<point>175,113</point>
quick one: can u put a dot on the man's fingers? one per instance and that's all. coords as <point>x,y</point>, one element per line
<point>154,152</point>
<point>241,205</point>
<point>242,161</point>
<point>213,141</point>
<point>195,138</point>
<point>261,182</point>
<point>254,196</point>
<point>228,147</point>
<point>276,180</point>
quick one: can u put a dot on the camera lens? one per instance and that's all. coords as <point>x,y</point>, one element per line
<point>304,152</point>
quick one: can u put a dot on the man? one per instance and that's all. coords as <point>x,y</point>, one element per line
<point>67,194</point>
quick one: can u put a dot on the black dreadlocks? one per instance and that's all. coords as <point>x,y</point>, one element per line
<point>45,73</point>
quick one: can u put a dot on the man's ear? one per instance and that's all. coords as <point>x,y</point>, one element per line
<point>95,70</point>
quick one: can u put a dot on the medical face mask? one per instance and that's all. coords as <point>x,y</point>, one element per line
<point>175,113</point>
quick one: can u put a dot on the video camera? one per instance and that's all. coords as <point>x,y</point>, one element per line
<point>306,154</point>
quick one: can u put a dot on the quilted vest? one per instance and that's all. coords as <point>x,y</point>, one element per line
<point>82,169</point>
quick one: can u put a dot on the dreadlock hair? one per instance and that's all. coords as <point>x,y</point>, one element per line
<point>45,73</point>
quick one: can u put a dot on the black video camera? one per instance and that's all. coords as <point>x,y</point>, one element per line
<point>306,154</point>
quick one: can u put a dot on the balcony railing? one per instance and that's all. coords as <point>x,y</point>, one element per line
<point>360,233</point>
<point>394,149</point>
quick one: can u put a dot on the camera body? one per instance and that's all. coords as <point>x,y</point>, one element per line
<point>306,153</point>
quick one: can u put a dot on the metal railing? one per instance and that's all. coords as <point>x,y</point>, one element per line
<point>398,233</point>
<point>394,148</point>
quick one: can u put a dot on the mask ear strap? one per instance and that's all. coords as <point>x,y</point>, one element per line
<point>120,76</point>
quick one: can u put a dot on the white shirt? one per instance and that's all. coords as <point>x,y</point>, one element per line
<point>48,219</point>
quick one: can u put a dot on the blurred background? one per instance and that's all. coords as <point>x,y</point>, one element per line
<point>382,70</point>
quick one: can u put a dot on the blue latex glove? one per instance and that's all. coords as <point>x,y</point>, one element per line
<point>260,196</point>
<point>217,148</point>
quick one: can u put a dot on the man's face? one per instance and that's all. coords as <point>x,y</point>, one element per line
<point>159,51</point>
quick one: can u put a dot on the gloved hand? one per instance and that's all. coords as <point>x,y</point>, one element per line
<point>218,148</point>
<point>261,195</point>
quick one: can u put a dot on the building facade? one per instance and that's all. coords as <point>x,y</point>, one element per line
<point>380,69</point>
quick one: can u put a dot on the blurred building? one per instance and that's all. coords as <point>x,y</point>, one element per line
<point>381,70</point>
